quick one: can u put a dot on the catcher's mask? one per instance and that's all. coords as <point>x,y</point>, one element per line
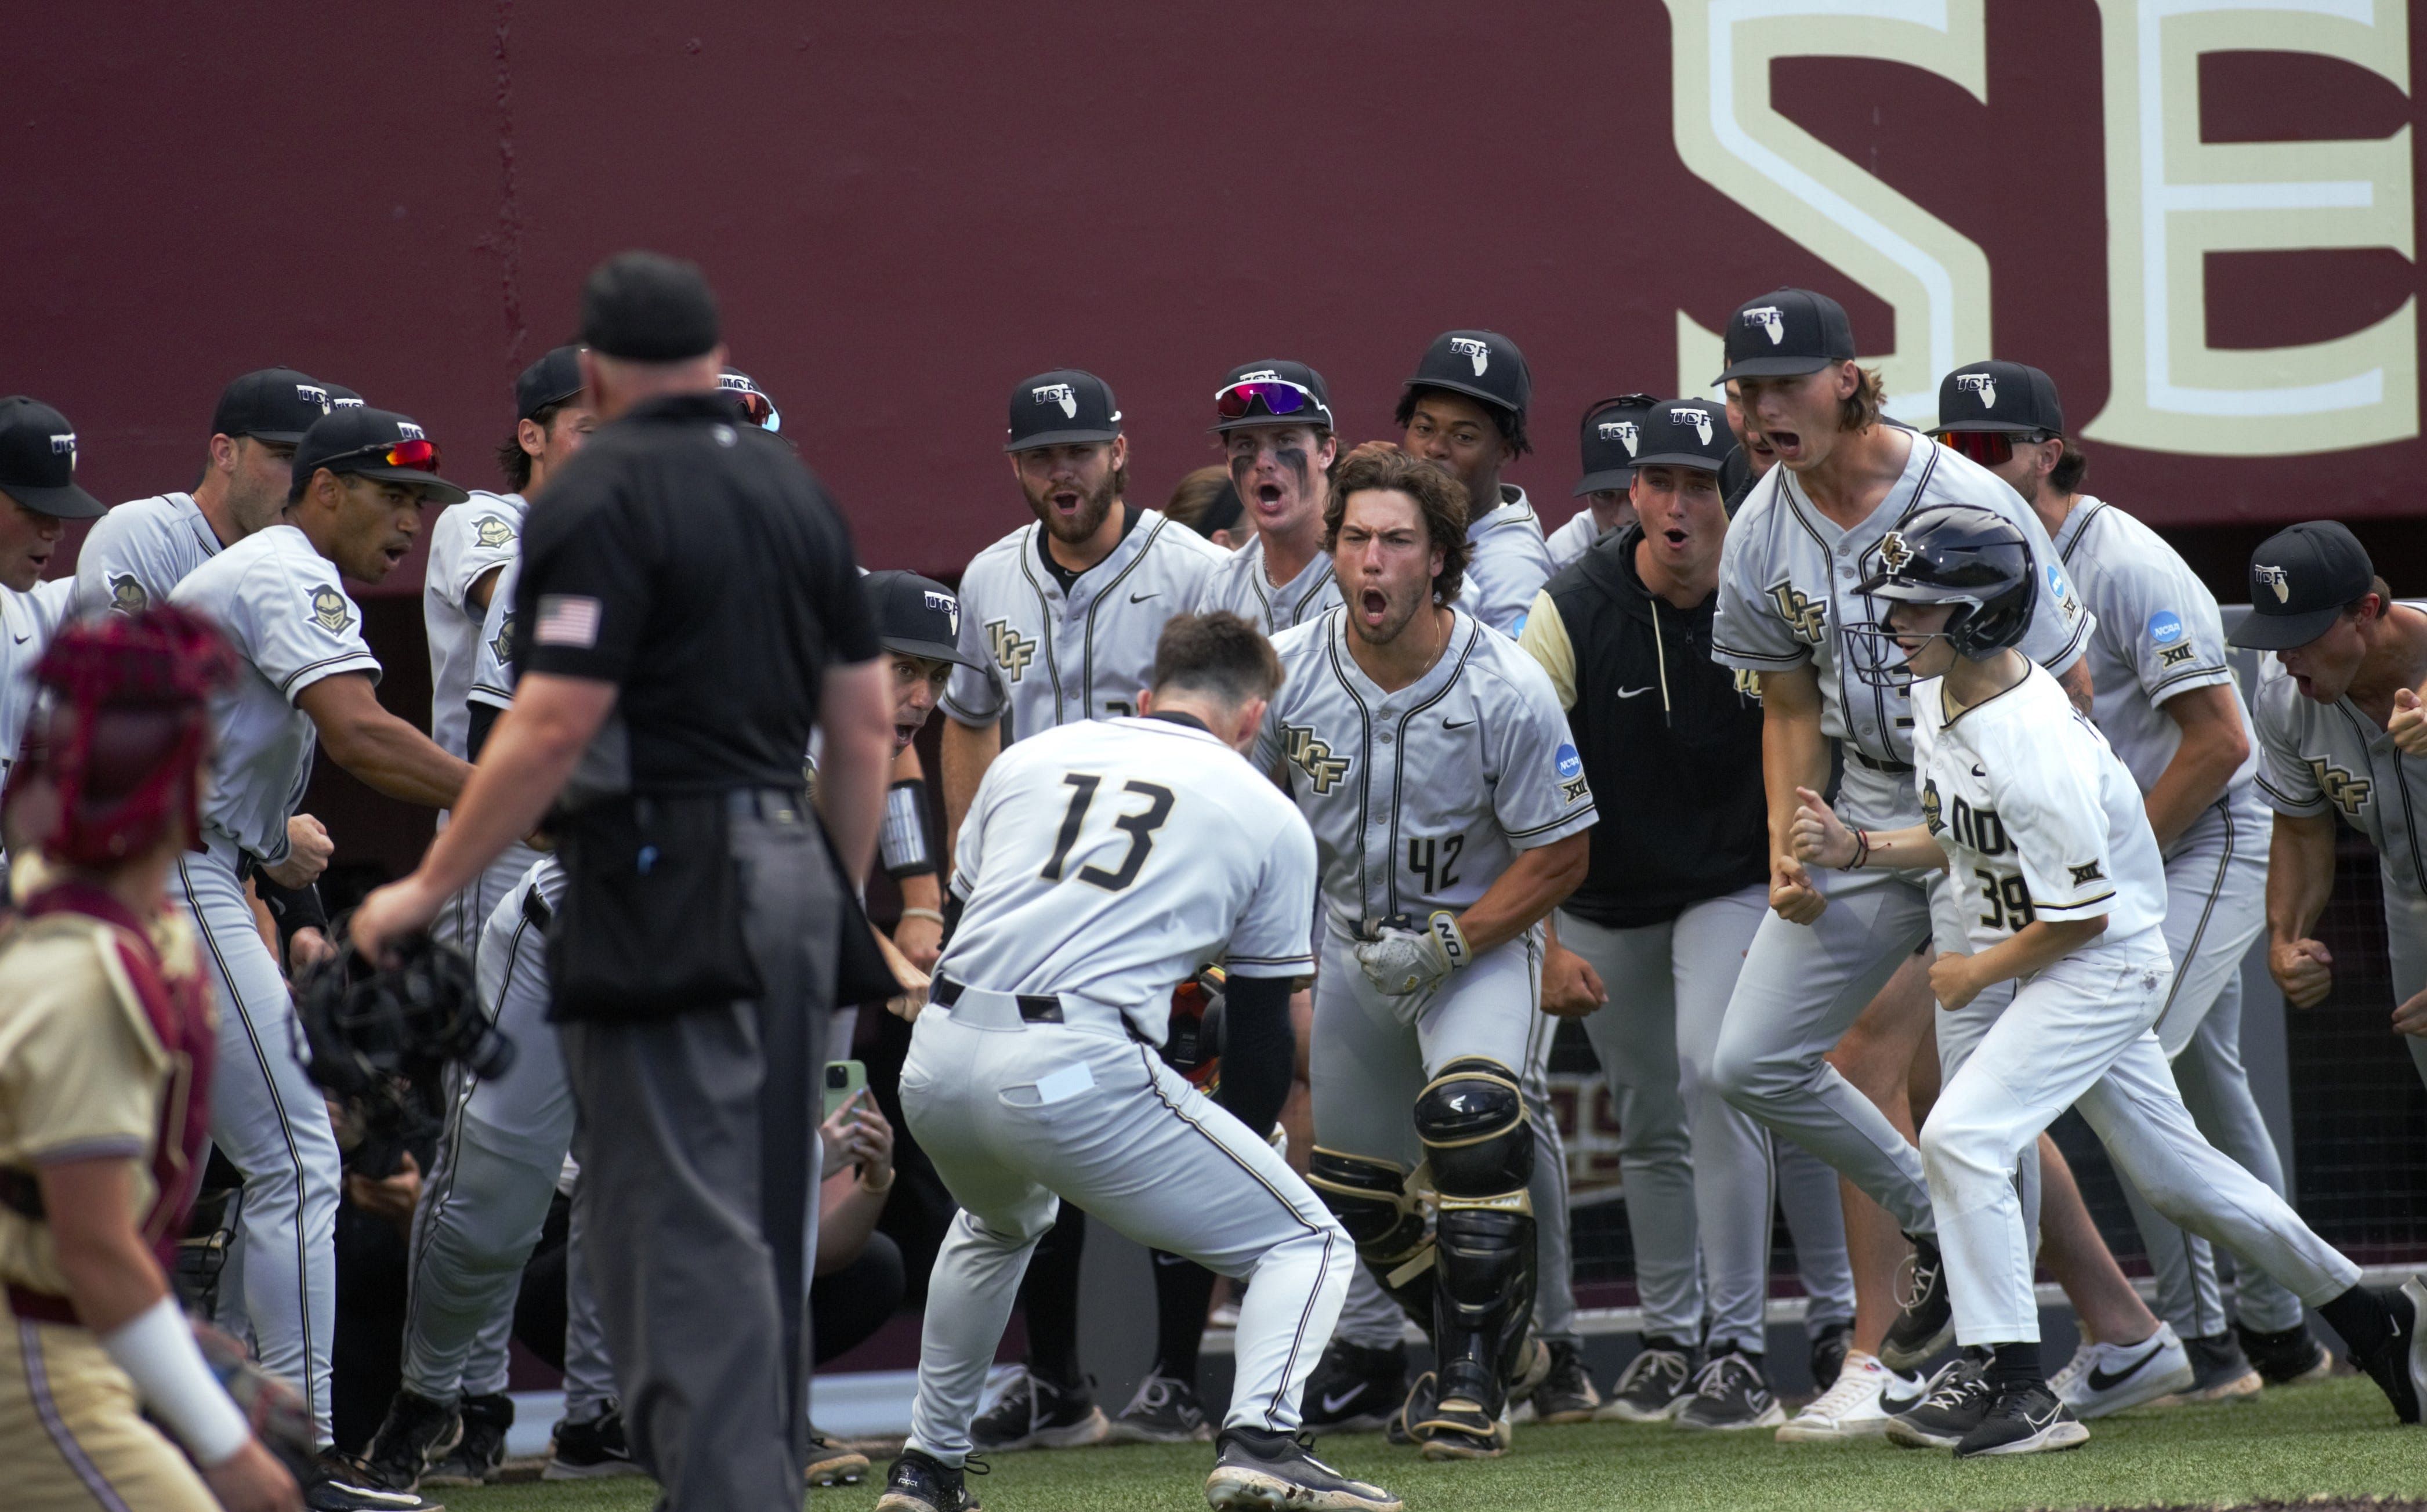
<point>365,1027</point>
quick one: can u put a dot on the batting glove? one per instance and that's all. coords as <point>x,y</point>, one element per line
<point>1405,961</point>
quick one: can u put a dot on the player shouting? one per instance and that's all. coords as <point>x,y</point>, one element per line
<point>2046,838</point>
<point>1102,863</point>
<point>1274,421</point>
<point>1431,757</point>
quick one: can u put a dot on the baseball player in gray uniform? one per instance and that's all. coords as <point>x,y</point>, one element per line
<point>144,547</point>
<point>1464,411</point>
<point>362,477</point>
<point>2340,730</point>
<point>2166,701</point>
<point>470,546</point>
<point>2046,838</point>
<point>1102,863</point>
<point>1805,536</point>
<point>1274,421</point>
<point>1608,436</point>
<point>1430,755</point>
<point>38,496</point>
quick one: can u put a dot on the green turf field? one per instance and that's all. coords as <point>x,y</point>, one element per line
<point>2335,1440</point>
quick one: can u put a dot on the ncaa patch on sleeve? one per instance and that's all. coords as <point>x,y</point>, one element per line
<point>2165,626</point>
<point>1568,762</point>
<point>568,620</point>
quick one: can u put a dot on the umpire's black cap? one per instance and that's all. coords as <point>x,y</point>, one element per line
<point>1785,334</point>
<point>2301,577</point>
<point>1068,406</point>
<point>1482,364</point>
<point>646,307</point>
<point>1686,434</point>
<point>38,459</point>
<point>276,405</point>
<point>916,616</point>
<point>2014,398</point>
<point>549,381</point>
<point>1610,435</point>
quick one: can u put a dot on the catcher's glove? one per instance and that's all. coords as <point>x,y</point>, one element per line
<point>279,1416</point>
<point>365,1025</point>
<point>1402,960</point>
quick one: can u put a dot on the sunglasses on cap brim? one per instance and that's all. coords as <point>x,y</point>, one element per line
<point>1279,395</point>
<point>416,456</point>
<point>1990,449</point>
<point>756,407</point>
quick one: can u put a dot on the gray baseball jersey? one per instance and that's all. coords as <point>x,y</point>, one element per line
<point>280,602</point>
<point>1046,656</point>
<point>1114,858</point>
<point>492,651</point>
<point>1240,585</point>
<point>2333,759</point>
<point>2157,634</point>
<point>1569,542</point>
<point>1509,565</point>
<point>1421,797</point>
<point>1786,587</point>
<point>2037,815</point>
<point>468,541</point>
<point>30,618</point>
<point>138,551</point>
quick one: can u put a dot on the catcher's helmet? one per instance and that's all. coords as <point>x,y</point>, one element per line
<point>1958,554</point>
<point>365,1026</point>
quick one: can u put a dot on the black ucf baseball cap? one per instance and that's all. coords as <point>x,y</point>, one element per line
<point>1482,364</point>
<point>1687,433</point>
<point>915,616</point>
<point>1065,407</point>
<point>1271,392</point>
<point>1611,435</point>
<point>379,444</point>
<point>2300,579</point>
<point>1785,334</point>
<point>547,382</point>
<point>38,460</point>
<point>342,398</point>
<point>2013,397</point>
<point>276,405</point>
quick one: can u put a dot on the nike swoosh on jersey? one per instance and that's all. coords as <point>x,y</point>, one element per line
<point>1455,724</point>
<point>1633,692</point>
<point>1140,598</point>
<point>1333,1404</point>
<point>2100,1380</point>
<point>1976,770</point>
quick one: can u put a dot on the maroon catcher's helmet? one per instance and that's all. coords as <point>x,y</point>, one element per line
<point>117,755</point>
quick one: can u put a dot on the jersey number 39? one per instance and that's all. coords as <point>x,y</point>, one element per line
<point>1140,827</point>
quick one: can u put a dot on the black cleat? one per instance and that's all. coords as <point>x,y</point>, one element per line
<point>1927,1324</point>
<point>415,1433</point>
<point>1566,1392</point>
<point>1355,1388</point>
<point>1654,1387</point>
<point>2024,1419</point>
<point>1423,1393</point>
<point>1255,1469</point>
<point>345,1484</point>
<point>590,1451</point>
<point>1033,1413</point>
<point>1731,1393</point>
<point>831,1464</point>
<point>481,1452</point>
<point>920,1482</point>
<point>1959,1401</point>
<point>2292,1357</point>
<point>1830,1343</point>
<point>1457,1429</point>
<point>1164,1411</point>
<point>2399,1368</point>
<point>2220,1372</point>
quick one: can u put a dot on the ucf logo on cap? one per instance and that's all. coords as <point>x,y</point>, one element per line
<point>1771,319</point>
<point>1477,353</point>
<point>946,605</point>
<point>1620,431</point>
<point>2276,578</point>
<point>1699,420</point>
<point>1057,394</point>
<point>1982,385</point>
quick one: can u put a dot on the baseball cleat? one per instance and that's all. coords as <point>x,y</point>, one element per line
<point>2102,1379</point>
<point>1033,1413</point>
<point>1731,1394</point>
<point>2400,1366</point>
<point>1533,1367</point>
<point>2220,1373</point>
<point>2292,1357</point>
<point>590,1451</point>
<point>919,1482</point>
<point>831,1464</point>
<point>416,1431</point>
<point>344,1483</point>
<point>481,1452</point>
<point>1831,1343</point>
<point>1653,1387</point>
<point>1257,1470</point>
<point>1928,1322</point>
<point>1355,1388</point>
<point>1959,1401</point>
<point>1164,1411</point>
<point>2024,1419</point>
<point>1867,1393</point>
<point>1566,1393</point>
<point>1460,1429</point>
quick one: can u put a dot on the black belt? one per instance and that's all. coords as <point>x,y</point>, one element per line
<point>1034,1008</point>
<point>1901,769</point>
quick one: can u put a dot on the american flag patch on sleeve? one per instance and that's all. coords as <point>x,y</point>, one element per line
<point>567,620</point>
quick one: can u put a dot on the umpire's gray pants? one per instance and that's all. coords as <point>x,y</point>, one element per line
<point>697,1143</point>
<point>2216,904</point>
<point>1698,1172</point>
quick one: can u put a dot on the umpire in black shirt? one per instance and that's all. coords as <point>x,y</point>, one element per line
<point>1678,883</point>
<point>689,610</point>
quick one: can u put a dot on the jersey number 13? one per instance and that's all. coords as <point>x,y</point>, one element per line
<point>1140,827</point>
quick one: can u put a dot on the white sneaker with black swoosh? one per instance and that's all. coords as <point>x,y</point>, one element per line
<point>2106,1378</point>
<point>1865,1396</point>
<point>2024,1419</point>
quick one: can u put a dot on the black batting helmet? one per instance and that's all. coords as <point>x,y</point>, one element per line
<point>1959,554</point>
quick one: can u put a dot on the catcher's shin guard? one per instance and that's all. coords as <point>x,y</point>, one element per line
<point>1480,1148</point>
<point>1374,1202</point>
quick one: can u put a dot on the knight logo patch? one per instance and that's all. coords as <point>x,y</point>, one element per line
<point>126,595</point>
<point>495,533</point>
<point>1931,807</point>
<point>329,610</point>
<point>503,646</point>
